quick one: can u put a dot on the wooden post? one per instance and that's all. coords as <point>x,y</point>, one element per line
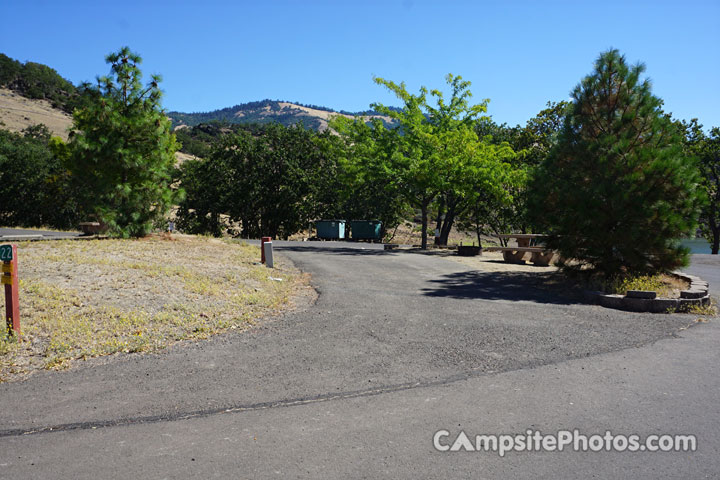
<point>10,280</point>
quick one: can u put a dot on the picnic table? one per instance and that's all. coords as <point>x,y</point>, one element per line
<point>526,243</point>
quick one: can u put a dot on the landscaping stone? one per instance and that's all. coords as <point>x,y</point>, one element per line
<point>694,293</point>
<point>612,301</point>
<point>636,304</point>
<point>641,294</point>
<point>664,305</point>
<point>593,296</point>
<point>647,301</point>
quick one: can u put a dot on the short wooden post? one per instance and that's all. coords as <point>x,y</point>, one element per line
<point>8,254</point>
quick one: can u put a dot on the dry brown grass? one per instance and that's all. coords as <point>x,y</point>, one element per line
<point>18,112</point>
<point>666,286</point>
<point>82,299</point>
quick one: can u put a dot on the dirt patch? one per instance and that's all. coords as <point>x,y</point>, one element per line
<point>493,262</point>
<point>82,299</point>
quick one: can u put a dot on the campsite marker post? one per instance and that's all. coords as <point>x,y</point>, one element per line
<point>262,247</point>
<point>8,256</point>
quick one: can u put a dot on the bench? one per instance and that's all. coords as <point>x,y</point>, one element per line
<point>541,256</point>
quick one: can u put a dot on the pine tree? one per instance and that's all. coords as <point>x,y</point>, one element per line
<point>123,150</point>
<point>617,191</point>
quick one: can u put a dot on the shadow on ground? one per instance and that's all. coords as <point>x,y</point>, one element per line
<point>335,250</point>
<point>513,286</point>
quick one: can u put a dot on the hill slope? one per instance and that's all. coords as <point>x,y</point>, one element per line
<point>267,111</point>
<point>32,93</point>
<point>18,112</point>
<point>39,82</point>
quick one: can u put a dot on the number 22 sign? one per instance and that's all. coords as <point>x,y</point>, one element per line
<point>6,253</point>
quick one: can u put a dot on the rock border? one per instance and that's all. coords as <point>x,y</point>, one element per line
<point>698,294</point>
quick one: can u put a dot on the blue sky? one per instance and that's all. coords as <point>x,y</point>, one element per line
<point>520,54</point>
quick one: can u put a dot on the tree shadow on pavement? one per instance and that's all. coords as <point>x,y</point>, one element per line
<point>335,250</point>
<point>541,287</point>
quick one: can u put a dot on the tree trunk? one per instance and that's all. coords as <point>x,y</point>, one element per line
<point>447,225</point>
<point>441,208</point>
<point>452,212</point>
<point>715,229</point>
<point>424,212</point>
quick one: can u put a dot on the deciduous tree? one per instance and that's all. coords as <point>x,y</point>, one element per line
<point>706,149</point>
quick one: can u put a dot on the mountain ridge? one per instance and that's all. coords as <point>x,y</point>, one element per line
<point>267,111</point>
<point>36,93</point>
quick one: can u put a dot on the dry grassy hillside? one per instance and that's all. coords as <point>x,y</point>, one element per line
<point>322,115</point>
<point>17,113</point>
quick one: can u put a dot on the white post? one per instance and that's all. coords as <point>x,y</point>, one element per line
<point>267,247</point>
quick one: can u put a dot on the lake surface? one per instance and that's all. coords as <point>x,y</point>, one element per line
<point>696,245</point>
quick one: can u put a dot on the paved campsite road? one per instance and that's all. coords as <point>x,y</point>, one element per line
<point>397,346</point>
<point>17,234</point>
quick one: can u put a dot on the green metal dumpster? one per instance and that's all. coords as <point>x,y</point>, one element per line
<point>330,229</point>
<point>365,229</point>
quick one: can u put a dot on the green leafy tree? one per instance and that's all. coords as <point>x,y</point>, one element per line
<point>369,187</point>
<point>706,149</point>
<point>617,190</point>
<point>205,183</point>
<point>505,210</point>
<point>34,183</point>
<point>270,184</point>
<point>411,161</point>
<point>436,153</point>
<point>709,157</point>
<point>123,150</point>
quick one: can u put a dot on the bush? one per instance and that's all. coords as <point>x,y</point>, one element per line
<point>34,185</point>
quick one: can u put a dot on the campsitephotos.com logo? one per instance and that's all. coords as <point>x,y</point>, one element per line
<point>536,441</point>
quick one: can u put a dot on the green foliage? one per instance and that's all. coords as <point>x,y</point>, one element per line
<point>642,282</point>
<point>617,191</point>
<point>370,189</point>
<point>206,184</point>
<point>273,184</point>
<point>10,70</point>
<point>706,148</point>
<point>200,139</point>
<point>38,81</point>
<point>34,184</point>
<point>123,150</point>
<point>432,152</point>
<point>505,211</point>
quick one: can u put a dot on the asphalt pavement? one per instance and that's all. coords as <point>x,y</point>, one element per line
<point>397,346</point>
<point>19,234</point>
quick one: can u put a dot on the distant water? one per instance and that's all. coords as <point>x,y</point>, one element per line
<point>696,245</point>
